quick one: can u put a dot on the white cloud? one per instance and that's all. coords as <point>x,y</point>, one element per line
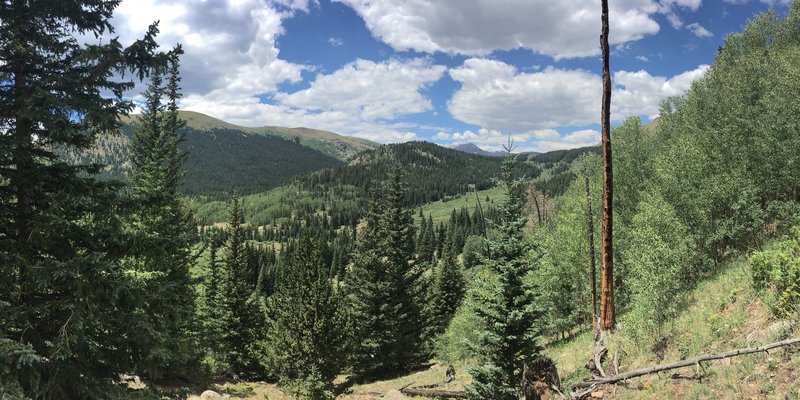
<point>642,58</point>
<point>566,28</point>
<point>582,138</point>
<point>699,31</point>
<point>639,93</point>
<point>769,2</point>
<point>230,46</point>
<point>494,95</point>
<point>334,41</point>
<point>370,90</point>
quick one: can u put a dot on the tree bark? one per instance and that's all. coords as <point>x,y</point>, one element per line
<point>607,272</point>
<point>684,363</point>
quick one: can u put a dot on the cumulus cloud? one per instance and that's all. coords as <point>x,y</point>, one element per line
<point>567,28</point>
<point>494,95</point>
<point>370,90</point>
<point>699,31</point>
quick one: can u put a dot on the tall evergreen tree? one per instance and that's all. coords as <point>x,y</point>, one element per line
<point>161,228</point>
<point>237,315</point>
<point>308,328</point>
<point>448,292</point>
<point>386,289</point>
<point>510,312</point>
<point>64,295</point>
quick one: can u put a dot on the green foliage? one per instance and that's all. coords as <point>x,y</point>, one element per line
<point>564,274</point>
<point>474,249</point>
<point>386,290</point>
<point>162,232</point>
<point>60,229</point>
<point>448,293</point>
<point>306,337</point>
<point>511,316</point>
<point>656,255</point>
<point>778,272</point>
<point>237,319</point>
<point>311,387</point>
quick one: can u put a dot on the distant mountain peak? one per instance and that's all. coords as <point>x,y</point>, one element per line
<point>472,148</point>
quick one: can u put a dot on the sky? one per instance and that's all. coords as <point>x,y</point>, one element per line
<point>444,71</point>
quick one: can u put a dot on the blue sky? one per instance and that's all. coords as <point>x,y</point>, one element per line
<point>446,71</point>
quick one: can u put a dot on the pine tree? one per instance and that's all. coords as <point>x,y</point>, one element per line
<point>510,312</point>
<point>308,327</point>
<point>237,316</point>
<point>387,294</point>
<point>162,228</point>
<point>60,229</point>
<point>448,293</point>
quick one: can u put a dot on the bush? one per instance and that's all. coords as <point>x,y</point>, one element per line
<point>657,255</point>
<point>778,273</point>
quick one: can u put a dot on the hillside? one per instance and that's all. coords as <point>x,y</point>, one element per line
<point>220,159</point>
<point>329,143</point>
<point>432,173</point>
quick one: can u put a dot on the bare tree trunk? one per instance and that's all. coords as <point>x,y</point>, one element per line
<point>607,273</point>
<point>592,266</point>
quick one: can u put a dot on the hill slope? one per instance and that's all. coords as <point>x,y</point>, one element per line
<point>329,143</point>
<point>219,159</point>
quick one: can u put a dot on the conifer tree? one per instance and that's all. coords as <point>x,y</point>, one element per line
<point>63,296</point>
<point>448,293</point>
<point>162,228</point>
<point>386,292</point>
<point>237,317</point>
<point>308,328</point>
<point>510,312</point>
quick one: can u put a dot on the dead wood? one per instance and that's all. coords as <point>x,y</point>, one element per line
<point>684,363</point>
<point>436,393</point>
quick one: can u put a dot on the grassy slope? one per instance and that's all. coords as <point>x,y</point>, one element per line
<point>441,210</point>
<point>722,313</point>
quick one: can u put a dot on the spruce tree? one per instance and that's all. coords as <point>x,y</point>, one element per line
<point>308,325</point>
<point>64,296</point>
<point>510,314</point>
<point>161,228</point>
<point>387,295</point>
<point>448,292</point>
<point>237,316</point>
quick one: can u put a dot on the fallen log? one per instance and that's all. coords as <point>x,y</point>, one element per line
<point>436,393</point>
<point>684,363</point>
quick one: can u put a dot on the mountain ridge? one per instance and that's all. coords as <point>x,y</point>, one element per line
<point>333,144</point>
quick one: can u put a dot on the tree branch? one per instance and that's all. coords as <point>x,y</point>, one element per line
<point>685,363</point>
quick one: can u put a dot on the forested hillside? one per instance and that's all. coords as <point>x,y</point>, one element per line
<point>219,159</point>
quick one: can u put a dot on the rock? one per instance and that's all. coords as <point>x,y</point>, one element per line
<point>210,395</point>
<point>597,395</point>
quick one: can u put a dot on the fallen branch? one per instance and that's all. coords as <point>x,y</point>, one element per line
<point>439,394</point>
<point>685,363</point>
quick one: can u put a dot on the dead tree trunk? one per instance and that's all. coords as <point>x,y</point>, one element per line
<point>684,363</point>
<point>607,272</point>
<point>592,268</point>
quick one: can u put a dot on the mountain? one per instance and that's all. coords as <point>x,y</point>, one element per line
<point>221,158</point>
<point>332,144</point>
<point>472,148</point>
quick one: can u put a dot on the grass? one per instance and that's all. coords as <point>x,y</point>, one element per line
<point>441,210</point>
<point>721,314</point>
